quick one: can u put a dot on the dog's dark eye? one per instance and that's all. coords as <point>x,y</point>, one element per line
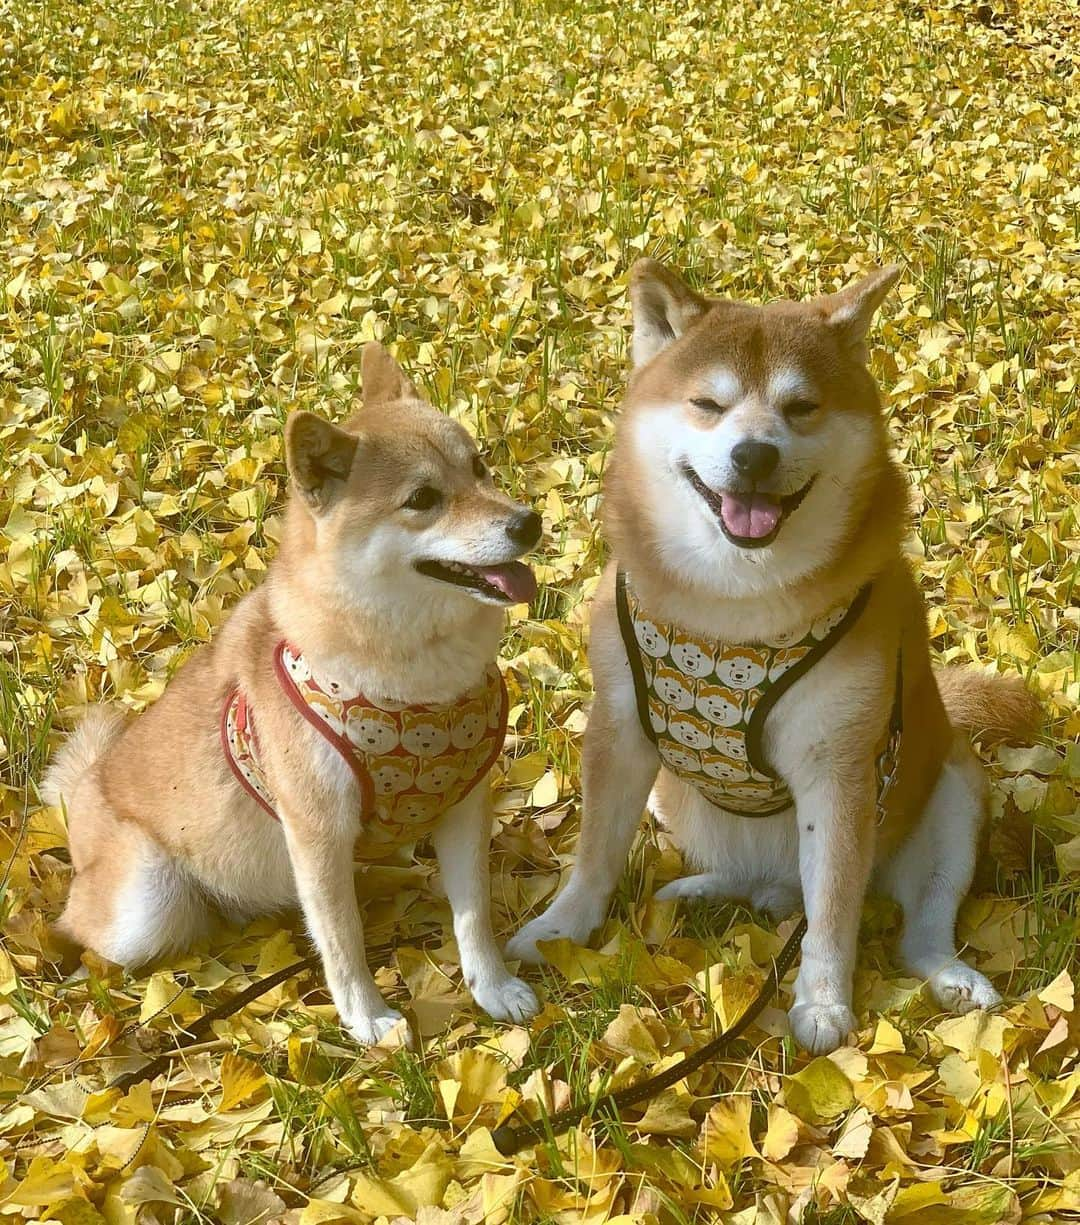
<point>479,467</point>
<point>709,405</point>
<point>800,408</point>
<point>424,498</point>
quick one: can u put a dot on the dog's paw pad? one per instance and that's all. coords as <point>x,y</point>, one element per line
<point>369,1031</point>
<point>509,1000</point>
<point>959,988</point>
<point>821,1028</point>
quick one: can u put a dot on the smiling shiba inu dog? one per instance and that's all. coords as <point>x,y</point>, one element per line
<point>751,503</point>
<point>283,747</point>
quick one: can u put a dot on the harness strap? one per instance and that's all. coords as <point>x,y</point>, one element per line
<point>236,707</point>
<point>641,688</point>
<point>756,725</point>
<point>756,728</point>
<point>633,655</point>
<point>888,760</point>
<point>240,743</point>
<point>363,779</point>
<point>896,719</point>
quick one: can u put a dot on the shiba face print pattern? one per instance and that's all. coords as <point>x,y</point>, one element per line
<point>412,762</point>
<point>704,703</point>
<point>242,749</point>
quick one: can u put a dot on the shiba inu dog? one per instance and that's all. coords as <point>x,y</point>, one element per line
<point>379,621</point>
<point>751,500</point>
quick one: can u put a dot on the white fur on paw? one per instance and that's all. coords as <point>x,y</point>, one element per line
<point>693,889</point>
<point>370,1030</point>
<point>821,1028</point>
<point>508,1000</point>
<point>960,988</point>
<point>548,926</point>
<point>777,900</point>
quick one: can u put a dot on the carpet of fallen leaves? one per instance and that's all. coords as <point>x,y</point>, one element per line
<point>205,211</point>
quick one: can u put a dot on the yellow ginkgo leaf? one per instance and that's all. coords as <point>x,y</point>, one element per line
<point>240,1079</point>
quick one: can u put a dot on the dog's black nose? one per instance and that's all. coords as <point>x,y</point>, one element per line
<point>754,459</point>
<point>525,528</point>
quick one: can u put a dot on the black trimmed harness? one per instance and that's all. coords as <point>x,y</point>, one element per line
<point>755,757</point>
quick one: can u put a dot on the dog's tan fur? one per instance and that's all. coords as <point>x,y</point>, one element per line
<point>821,735</point>
<point>161,833</point>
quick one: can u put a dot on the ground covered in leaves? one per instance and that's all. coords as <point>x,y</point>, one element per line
<point>205,211</point>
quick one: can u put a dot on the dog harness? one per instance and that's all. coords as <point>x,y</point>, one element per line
<point>412,763</point>
<point>704,703</point>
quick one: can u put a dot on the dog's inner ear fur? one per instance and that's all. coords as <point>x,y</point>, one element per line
<point>318,456</point>
<point>383,380</point>
<point>664,307</point>
<point>851,311</point>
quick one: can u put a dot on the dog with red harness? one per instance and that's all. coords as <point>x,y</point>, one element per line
<point>351,705</point>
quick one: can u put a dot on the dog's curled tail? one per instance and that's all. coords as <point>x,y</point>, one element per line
<point>98,729</point>
<point>989,706</point>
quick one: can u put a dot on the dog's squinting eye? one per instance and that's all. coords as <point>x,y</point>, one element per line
<point>479,467</point>
<point>708,405</point>
<point>424,498</point>
<point>800,408</point>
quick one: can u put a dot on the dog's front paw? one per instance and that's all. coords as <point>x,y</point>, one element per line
<point>556,923</point>
<point>960,988</point>
<point>369,1030</point>
<point>507,1000</point>
<point>821,1028</point>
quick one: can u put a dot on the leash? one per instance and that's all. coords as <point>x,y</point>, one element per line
<point>509,1139</point>
<point>204,1024</point>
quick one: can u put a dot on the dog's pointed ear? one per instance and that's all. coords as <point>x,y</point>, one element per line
<point>664,307</point>
<point>382,378</point>
<point>318,456</point>
<point>851,311</point>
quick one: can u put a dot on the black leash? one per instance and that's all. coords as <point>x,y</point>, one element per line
<point>509,1139</point>
<point>204,1025</point>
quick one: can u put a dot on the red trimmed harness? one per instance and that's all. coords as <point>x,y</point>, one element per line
<point>411,762</point>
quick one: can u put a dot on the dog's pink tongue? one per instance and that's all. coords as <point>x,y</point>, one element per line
<point>514,579</point>
<point>750,515</point>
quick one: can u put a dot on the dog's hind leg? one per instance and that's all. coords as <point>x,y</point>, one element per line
<point>775,898</point>
<point>739,859</point>
<point>702,887</point>
<point>930,875</point>
<point>130,901</point>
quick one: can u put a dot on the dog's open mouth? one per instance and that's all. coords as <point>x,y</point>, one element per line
<point>510,582</point>
<point>752,519</point>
